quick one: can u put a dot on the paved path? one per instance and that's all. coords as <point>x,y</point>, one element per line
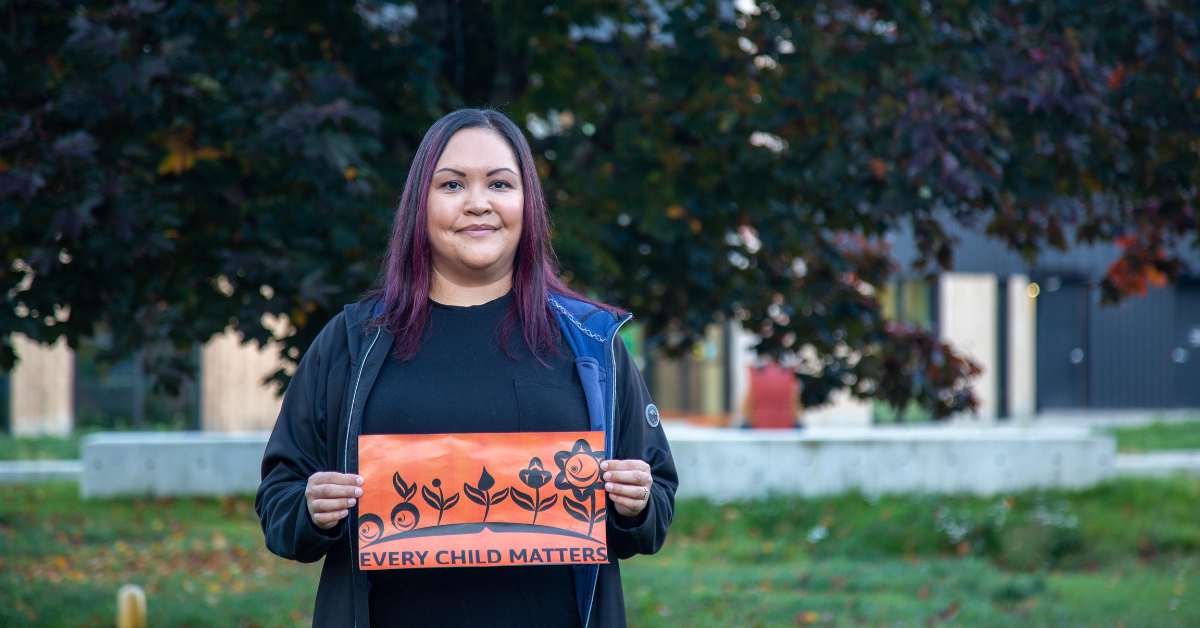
<point>1114,418</point>
<point>1160,463</point>
<point>29,471</point>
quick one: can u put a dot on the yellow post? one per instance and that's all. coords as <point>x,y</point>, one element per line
<point>131,607</point>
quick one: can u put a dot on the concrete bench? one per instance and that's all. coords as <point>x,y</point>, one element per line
<point>733,464</point>
<point>720,464</point>
<point>162,464</point>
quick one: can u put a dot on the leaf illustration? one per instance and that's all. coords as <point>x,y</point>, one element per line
<point>412,490</point>
<point>601,515</point>
<point>523,500</point>
<point>432,498</point>
<point>498,497</point>
<point>546,503</point>
<point>475,494</point>
<point>576,510</point>
<point>401,486</point>
<point>486,482</point>
<point>450,501</point>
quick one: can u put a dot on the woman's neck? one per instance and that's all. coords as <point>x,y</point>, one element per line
<point>450,290</point>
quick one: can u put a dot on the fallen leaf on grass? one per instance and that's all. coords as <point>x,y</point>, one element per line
<point>948,613</point>
<point>807,618</point>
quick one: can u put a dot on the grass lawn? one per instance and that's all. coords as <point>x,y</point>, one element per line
<point>40,448</point>
<point>1157,436</point>
<point>1124,555</point>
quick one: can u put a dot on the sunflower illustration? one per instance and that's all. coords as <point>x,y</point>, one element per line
<point>579,470</point>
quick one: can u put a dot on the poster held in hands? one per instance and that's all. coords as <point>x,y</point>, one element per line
<point>459,500</point>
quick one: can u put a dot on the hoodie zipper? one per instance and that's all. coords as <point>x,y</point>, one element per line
<point>349,423</point>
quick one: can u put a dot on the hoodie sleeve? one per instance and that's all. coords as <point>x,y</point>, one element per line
<point>638,439</point>
<point>298,448</point>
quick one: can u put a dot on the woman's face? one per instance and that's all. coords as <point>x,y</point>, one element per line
<point>475,208</point>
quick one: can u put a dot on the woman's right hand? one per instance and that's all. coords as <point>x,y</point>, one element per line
<point>330,495</point>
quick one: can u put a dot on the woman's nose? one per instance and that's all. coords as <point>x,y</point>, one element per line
<point>475,203</point>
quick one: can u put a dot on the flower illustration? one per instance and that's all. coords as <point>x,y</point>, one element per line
<point>480,493</point>
<point>535,477</point>
<point>579,470</point>
<point>438,500</point>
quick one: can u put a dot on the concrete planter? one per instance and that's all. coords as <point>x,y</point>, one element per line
<point>161,464</point>
<point>741,464</point>
<point>719,464</point>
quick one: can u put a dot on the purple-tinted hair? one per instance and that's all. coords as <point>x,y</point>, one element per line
<point>403,286</point>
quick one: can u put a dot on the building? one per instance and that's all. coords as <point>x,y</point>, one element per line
<point>1045,341</point>
<point>1038,330</point>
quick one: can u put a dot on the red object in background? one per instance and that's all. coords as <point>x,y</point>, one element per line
<point>773,393</point>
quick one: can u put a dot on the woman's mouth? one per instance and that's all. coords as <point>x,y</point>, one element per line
<point>478,230</point>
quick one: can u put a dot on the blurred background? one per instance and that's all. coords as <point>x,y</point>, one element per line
<point>916,287</point>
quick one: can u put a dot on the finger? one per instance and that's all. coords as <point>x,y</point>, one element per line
<point>327,519</point>
<point>627,490</point>
<point>332,505</point>
<point>641,478</point>
<point>625,465</point>
<point>333,491</point>
<point>333,477</point>
<point>634,505</point>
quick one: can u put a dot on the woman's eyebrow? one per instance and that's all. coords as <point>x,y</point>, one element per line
<point>500,170</point>
<point>461,174</point>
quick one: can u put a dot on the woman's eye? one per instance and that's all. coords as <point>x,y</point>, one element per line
<point>452,185</point>
<point>501,185</point>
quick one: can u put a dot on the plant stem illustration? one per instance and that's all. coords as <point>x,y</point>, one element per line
<point>590,516</point>
<point>438,501</point>
<point>405,515</point>
<point>535,477</point>
<point>480,495</point>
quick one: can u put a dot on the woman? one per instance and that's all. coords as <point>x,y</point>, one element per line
<point>470,330</point>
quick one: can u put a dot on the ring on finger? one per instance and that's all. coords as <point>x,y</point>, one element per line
<point>645,493</point>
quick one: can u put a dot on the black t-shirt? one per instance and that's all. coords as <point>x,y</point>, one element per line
<point>463,381</point>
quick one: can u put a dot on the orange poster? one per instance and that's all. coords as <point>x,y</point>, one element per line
<point>455,500</point>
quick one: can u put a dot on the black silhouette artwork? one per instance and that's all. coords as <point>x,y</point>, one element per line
<point>535,477</point>
<point>405,515</point>
<point>480,495</point>
<point>370,527</point>
<point>438,501</point>
<point>579,471</point>
<point>496,533</point>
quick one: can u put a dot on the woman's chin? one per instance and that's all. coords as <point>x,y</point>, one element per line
<point>484,265</point>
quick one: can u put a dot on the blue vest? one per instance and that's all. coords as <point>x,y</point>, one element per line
<point>591,333</point>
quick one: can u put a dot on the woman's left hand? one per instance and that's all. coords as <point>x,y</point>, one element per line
<point>628,484</point>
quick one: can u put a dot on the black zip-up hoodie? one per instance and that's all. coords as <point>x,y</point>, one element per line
<point>317,430</point>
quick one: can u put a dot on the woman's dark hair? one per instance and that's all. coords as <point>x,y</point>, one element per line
<point>402,290</point>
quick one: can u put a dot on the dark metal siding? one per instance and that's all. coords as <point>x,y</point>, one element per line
<point>1131,352</point>
<point>1187,339</point>
<point>1062,330</point>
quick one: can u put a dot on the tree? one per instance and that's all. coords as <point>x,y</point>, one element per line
<point>701,160</point>
<point>168,170</point>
